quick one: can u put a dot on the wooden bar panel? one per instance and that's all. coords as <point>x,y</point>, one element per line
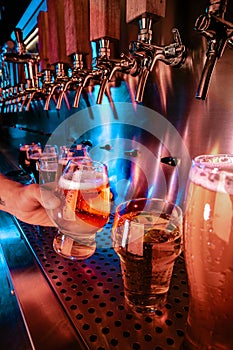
<point>56,25</point>
<point>77,29</point>
<point>43,44</point>
<point>104,19</point>
<point>137,8</point>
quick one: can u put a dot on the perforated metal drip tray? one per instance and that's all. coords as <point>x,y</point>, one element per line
<point>92,294</point>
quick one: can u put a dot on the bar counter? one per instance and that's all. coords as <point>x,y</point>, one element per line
<point>63,304</point>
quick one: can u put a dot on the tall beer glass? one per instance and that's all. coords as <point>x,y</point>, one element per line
<point>208,240</point>
<point>84,193</point>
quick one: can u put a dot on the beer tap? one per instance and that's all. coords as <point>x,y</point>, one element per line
<point>84,77</point>
<point>104,67</point>
<point>30,62</point>
<point>218,33</point>
<point>147,54</point>
<point>76,20</point>
<point>107,67</point>
<point>47,71</point>
<point>57,49</point>
<point>105,28</point>
<point>61,77</point>
<point>7,78</point>
<point>78,64</point>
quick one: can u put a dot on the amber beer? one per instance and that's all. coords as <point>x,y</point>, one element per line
<point>86,202</point>
<point>147,236</point>
<point>62,162</point>
<point>209,257</point>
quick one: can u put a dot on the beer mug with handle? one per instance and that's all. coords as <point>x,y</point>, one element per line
<point>84,193</point>
<point>208,248</point>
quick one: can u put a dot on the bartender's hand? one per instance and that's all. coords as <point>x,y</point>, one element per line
<point>29,203</point>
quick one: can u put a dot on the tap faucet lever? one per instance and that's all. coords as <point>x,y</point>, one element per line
<point>107,67</point>
<point>148,54</point>
<point>218,33</point>
<point>19,38</point>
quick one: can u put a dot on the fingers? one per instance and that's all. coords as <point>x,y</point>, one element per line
<point>48,199</point>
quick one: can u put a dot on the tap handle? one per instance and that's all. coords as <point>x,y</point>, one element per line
<point>77,32</point>
<point>102,89</point>
<point>56,31</point>
<point>202,23</point>
<point>43,43</point>
<point>19,35</point>
<point>218,8</point>
<point>175,53</point>
<point>143,76</point>
<point>177,37</point>
<point>19,39</point>
<point>137,9</point>
<point>104,19</point>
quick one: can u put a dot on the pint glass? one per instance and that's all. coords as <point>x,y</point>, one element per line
<point>147,236</point>
<point>208,241</point>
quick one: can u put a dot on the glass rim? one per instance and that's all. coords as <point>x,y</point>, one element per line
<point>220,161</point>
<point>152,199</point>
<point>78,160</point>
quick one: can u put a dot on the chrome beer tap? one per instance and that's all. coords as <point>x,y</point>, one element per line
<point>6,79</point>
<point>84,77</point>
<point>61,77</point>
<point>107,67</point>
<point>30,62</point>
<point>218,33</point>
<point>75,79</point>
<point>79,79</point>
<point>147,54</point>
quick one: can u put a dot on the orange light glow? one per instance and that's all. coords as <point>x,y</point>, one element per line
<point>215,148</point>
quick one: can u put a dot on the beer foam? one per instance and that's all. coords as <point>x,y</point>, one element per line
<point>88,181</point>
<point>212,179</point>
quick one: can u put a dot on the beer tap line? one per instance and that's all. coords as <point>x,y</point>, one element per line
<point>26,80</point>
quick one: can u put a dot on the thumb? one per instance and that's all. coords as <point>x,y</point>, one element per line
<point>48,198</point>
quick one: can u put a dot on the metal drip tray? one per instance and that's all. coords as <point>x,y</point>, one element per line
<point>92,294</point>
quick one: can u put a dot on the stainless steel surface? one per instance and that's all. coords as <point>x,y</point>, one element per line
<point>44,319</point>
<point>12,327</point>
<point>92,294</point>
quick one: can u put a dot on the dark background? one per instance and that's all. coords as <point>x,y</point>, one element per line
<point>11,12</point>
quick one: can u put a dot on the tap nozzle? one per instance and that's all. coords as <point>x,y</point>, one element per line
<point>147,54</point>
<point>60,79</point>
<point>84,77</point>
<point>106,68</point>
<point>218,33</point>
<point>74,80</point>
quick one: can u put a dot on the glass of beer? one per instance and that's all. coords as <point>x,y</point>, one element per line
<point>48,165</point>
<point>35,152</point>
<point>23,160</point>
<point>84,193</point>
<point>147,236</point>
<point>208,242</point>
